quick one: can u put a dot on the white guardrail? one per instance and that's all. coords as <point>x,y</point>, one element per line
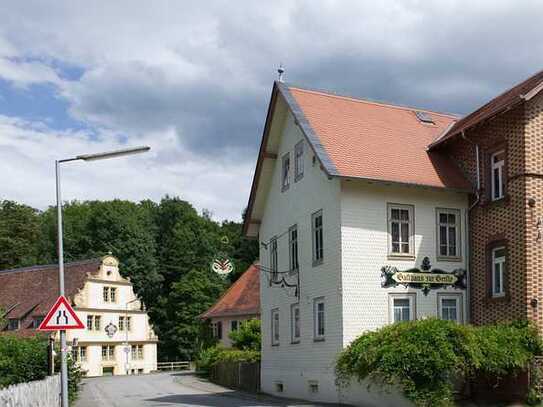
<point>171,366</point>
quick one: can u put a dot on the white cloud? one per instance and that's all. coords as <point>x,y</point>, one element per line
<point>29,151</point>
<point>193,79</point>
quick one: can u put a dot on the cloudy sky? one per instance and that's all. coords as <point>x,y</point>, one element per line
<point>192,80</point>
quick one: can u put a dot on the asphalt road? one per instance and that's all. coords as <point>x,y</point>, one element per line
<point>164,390</point>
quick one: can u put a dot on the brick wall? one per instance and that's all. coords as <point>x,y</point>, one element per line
<point>504,220</point>
<point>533,181</point>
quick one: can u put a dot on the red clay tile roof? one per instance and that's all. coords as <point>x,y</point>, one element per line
<point>32,291</point>
<point>242,298</point>
<point>498,105</point>
<point>378,141</point>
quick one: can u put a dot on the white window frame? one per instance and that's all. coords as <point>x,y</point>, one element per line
<point>299,161</point>
<point>447,225</point>
<point>217,330</point>
<point>319,336</point>
<point>411,228</point>
<point>502,263</point>
<point>293,321</point>
<point>459,305</point>
<point>93,326</point>
<point>285,172</point>
<point>275,327</point>
<point>317,234</point>
<point>234,325</point>
<point>109,294</point>
<point>293,244</point>
<point>499,167</point>
<point>412,297</point>
<point>273,259</point>
<point>109,352</point>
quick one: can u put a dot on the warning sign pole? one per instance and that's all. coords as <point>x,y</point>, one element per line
<point>63,348</point>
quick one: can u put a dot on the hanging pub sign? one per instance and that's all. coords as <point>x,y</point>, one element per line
<point>221,264</point>
<point>424,278</point>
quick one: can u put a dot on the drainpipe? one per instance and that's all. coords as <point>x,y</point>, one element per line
<point>473,205</point>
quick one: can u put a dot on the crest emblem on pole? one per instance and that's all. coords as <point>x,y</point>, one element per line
<point>221,264</point>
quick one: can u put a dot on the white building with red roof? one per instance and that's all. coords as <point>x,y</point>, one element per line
<point>241,302</point>
<point>359,226</point>
<point>118,338</point>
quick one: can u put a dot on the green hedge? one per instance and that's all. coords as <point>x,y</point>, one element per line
<point>25,360</point>
<point>210,357</point>
<point>423,357</point>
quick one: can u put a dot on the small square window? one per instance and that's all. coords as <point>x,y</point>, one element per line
<point>402,307</point>
<point>450,307</point>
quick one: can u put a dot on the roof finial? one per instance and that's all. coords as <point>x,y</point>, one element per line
<point>280,71</point>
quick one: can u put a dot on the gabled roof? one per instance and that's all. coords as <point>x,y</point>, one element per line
<point>32,291</point>
<point>356,138</point>
<point>504,102</point>
<point>241,299</point>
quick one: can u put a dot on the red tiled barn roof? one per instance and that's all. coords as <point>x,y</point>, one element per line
<point>32,291</point>
<point>379,141</point>
<point>242,298</point>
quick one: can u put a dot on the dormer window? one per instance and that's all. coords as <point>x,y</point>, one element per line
<point>497,164</point>
<point>285,172</point>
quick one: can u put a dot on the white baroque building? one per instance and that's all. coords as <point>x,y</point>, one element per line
<point>345,192</point>
<point>118,338</point>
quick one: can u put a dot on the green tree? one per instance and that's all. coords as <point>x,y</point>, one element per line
<point>190,297</point>
<point>247,336</point>
<point>19,235</point>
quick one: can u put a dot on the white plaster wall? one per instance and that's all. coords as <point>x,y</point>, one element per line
<point>296,364</point>
<point>365,250</point>
<point>90,302</point>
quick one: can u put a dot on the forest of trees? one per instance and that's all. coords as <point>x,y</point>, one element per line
<point>165,248</point>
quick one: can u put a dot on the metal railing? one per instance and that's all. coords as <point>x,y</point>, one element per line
<point>171,366</point>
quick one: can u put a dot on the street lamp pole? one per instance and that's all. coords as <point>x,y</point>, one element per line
<point>60,242</point>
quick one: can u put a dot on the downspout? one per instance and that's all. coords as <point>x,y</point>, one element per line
<point>473,205</point>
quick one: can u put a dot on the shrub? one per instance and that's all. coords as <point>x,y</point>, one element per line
<point>423,357</point>
<point>247,336</point>
<point>25,360</point>
<point>207,358</point>
<point>211,356</point>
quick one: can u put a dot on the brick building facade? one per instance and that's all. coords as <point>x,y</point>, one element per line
<point>508,128</point>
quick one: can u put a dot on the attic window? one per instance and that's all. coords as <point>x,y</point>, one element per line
<point>424,117</point>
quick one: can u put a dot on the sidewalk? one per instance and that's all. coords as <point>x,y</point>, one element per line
<point>202,384</point>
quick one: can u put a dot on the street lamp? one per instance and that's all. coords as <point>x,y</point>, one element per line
<point>83,157</point>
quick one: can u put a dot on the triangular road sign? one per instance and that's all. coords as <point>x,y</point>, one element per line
<point>62,316</point>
